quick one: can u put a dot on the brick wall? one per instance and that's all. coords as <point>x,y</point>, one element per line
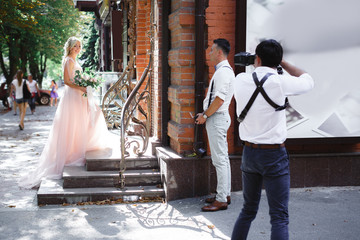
<point>143,46</point>
<point>220,21</point>
<point>181,92</point>
<point>143,9</point>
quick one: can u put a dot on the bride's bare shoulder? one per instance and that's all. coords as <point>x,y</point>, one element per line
<point>69,62</point>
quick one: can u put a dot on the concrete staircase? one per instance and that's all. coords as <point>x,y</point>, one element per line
<point>97,180</point>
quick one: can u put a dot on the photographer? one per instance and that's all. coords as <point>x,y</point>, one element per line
<point>260,104</point>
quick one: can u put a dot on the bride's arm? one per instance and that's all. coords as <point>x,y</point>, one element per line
<point>69,66</point>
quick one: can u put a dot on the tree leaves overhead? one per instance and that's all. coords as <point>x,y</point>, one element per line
<point>33,32</point>
<point>19,14</point>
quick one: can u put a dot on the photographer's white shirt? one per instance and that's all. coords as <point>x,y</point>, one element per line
<point>262,124</point>
<point>223,79</point>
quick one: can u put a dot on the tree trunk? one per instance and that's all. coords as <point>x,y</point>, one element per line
<point>13,62</point>
<point>42,64</point>
<point>23,56</point>
<point>34,68</point>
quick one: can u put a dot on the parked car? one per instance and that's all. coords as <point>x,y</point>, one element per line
<point>44,98</point>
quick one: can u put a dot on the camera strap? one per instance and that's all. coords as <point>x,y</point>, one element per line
<point>260,89</point>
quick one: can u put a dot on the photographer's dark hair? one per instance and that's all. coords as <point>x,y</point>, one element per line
<point>223,44</point>
<point>270,52</point>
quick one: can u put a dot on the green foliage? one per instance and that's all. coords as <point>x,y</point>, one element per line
<point>53,72</point>
<point>34,32</point>
<point>90,55</point>
<point>18,14</point>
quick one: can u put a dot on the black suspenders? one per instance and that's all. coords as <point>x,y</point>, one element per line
<point>212,85</point>
<point>260,89</point>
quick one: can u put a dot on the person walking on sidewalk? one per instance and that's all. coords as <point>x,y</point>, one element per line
<point>34,91</point>
<point>263,130</point>
<point>53,93</point>
<point>17,86</point>
<point>217,118</point>
<point>13,100</point>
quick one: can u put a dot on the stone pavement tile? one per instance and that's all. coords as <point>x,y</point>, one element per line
<point>19,151</point>
<point>315,213</point>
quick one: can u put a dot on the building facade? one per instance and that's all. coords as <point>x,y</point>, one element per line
<point>182,33</point>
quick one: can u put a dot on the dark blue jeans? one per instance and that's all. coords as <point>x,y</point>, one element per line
<point>32,103</point>
<point>271,168</point>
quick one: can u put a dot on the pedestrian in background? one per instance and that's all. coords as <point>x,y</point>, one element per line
<point>217,118</point>
<point>34,92</point>
<point>17,86</point>
<point>263,129</point>
<point>13,97</point>
<point>53,93</point>
<point>13,100</point>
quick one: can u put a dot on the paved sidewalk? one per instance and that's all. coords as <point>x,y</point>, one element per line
<point>315,213</point>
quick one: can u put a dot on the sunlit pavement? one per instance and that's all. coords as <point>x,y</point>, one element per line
<point>315,213</point>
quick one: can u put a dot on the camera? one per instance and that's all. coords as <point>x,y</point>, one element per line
<point>244,59</point>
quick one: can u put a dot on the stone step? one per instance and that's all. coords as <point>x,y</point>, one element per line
<point>78,177</point>
<point>109,160</point>
<point>52,192</point>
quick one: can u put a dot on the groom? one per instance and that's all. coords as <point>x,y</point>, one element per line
<point>217,118</point>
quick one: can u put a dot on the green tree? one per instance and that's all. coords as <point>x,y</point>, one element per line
<point>59,20</point>
<point>91,40</point>
<point>16,17</point>
<point>34,32</point>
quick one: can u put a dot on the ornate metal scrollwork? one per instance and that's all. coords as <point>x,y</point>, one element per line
<point>127,107</point>
<point>114,100</point>
<point>132,105</point>
<point>115,97</point>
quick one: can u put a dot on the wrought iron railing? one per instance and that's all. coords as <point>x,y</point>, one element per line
<point>129,110</point>
<point>114,99</point>
<point>125,106</point>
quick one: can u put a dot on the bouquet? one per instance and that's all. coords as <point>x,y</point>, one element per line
<point>87,80</point>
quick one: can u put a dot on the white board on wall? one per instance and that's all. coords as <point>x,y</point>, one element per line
<point>323,38</point>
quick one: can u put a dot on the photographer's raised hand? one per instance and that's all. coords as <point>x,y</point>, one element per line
<point>291,69</point>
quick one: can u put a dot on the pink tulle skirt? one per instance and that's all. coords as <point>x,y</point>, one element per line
<point>73,133</point>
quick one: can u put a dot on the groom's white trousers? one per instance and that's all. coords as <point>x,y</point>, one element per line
<point>217,126</point>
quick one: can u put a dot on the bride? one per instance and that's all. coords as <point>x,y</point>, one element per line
<point>78,126</point>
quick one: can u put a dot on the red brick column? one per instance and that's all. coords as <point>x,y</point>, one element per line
<point>143,45</point>
<point>143,9</point>
<point>220,19</point>
<point>181,92</point>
